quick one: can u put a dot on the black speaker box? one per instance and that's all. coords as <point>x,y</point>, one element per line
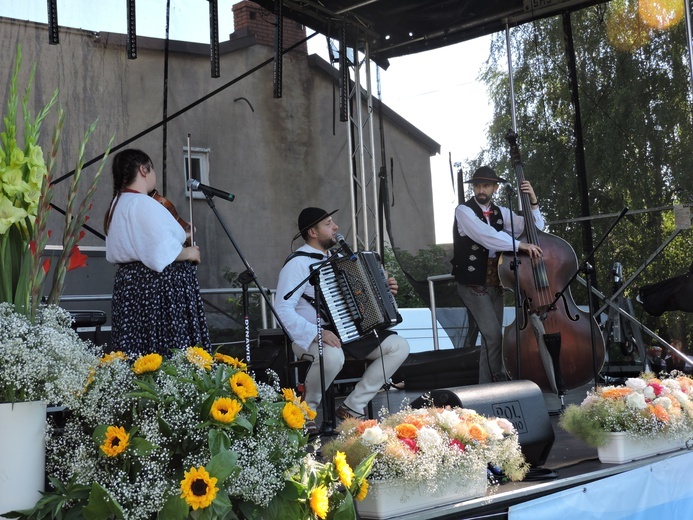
<point>270,353</point>
<point>520,402</point>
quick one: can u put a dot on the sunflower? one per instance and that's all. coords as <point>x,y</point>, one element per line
<point>308,411</point>
<point>289,394</point>
<point>363,490</point>
<point>198,488</point>
<point>243,386</point>
<point>293,416</point>
<point>225,409</point>
<point>319,501</point>
<point>199,357</point>
<point>231,361</point>
<point>148,363</point>
<point>112,356</point>
<point>346,474</point>
<point>116,441</point>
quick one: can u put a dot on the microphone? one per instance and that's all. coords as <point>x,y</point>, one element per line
<point>195,185</point>
<point>508,187</point>
<point>345,247</point>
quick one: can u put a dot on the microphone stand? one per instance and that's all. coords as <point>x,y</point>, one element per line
<point>245,278</point>
<point>313,278</point>
<point>587,269</point>
<point>514,266</point>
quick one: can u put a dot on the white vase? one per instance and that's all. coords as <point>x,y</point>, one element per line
<point>22,455</point>
<point>625,448</point>
<point>389,498</point>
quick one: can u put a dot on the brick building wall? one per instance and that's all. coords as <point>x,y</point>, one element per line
<point>250,18</point>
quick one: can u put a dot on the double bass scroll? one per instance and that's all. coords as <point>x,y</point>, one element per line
<point>555,340</point>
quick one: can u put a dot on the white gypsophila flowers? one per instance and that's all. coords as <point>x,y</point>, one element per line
<point>45,360</point>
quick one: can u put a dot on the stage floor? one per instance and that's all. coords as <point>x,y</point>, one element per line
<point>570,463</point>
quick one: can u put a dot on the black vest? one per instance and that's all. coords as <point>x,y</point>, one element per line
<point>469,260</point>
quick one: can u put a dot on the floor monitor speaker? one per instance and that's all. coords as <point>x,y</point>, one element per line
<point>520,402</point>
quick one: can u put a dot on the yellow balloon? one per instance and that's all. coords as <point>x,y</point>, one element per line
<point>661,14</point>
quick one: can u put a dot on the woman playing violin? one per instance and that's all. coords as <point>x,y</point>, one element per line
<point>156,295</point>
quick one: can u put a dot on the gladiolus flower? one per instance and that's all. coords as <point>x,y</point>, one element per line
<point>77,259</point>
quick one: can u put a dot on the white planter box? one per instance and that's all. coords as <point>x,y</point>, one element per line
<point>22,455</point>
<point>389,498</point>
<point>625,448</point>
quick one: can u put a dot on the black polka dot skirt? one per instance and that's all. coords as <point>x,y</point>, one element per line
<point>157,312</point>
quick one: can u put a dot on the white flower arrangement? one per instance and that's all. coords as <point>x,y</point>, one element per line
<point>424,445</point>
<point>644,407</point>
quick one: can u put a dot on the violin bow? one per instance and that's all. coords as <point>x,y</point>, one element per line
<point>190,195</point>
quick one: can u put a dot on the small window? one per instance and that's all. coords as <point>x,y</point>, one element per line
<point>199,164</point>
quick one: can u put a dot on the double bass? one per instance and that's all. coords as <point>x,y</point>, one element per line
<point>559,343</point>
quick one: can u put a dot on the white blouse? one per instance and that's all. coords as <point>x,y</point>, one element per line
<point>143,230</point>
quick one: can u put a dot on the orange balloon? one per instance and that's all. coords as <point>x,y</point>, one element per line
<point>660,14</point>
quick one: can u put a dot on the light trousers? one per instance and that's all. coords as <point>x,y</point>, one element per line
<point>385,360</point>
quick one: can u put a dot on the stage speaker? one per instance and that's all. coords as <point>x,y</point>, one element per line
<point>520,402</point>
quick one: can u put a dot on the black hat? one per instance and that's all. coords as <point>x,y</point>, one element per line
<point>309,217</point>
<point>485,174</point>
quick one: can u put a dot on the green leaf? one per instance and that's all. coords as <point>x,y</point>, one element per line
<point>222,465</point>
<point>101,505</point>
<point>99,434</point>
<point>206,407</point>
<point>141,447</point>
<point>218,441</point>
<point>165,428</point>
<point>175,508</point>
<point>346,510</point>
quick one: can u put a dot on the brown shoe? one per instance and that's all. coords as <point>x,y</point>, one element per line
<point>344,412</point>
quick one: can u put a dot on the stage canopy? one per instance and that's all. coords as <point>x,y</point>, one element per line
<point>398,27</point>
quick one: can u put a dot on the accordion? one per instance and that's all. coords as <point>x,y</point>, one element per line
<point>357,297</point>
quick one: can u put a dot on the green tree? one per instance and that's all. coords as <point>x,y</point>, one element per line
<point>636,123</point>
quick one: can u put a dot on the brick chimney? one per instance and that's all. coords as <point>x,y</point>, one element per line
<point>249,18</point>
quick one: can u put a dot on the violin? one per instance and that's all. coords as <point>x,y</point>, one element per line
<point>187,227</point>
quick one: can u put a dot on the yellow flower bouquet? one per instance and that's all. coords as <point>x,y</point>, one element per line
<point>643,407</point>
<point>193,436</point>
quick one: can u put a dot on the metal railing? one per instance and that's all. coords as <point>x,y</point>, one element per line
<point>266,316</point>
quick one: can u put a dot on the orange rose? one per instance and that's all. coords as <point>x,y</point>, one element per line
<point>616,393</point>
<point>406,431</point>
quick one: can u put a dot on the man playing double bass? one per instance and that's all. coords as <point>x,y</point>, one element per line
<point>481,232</point>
